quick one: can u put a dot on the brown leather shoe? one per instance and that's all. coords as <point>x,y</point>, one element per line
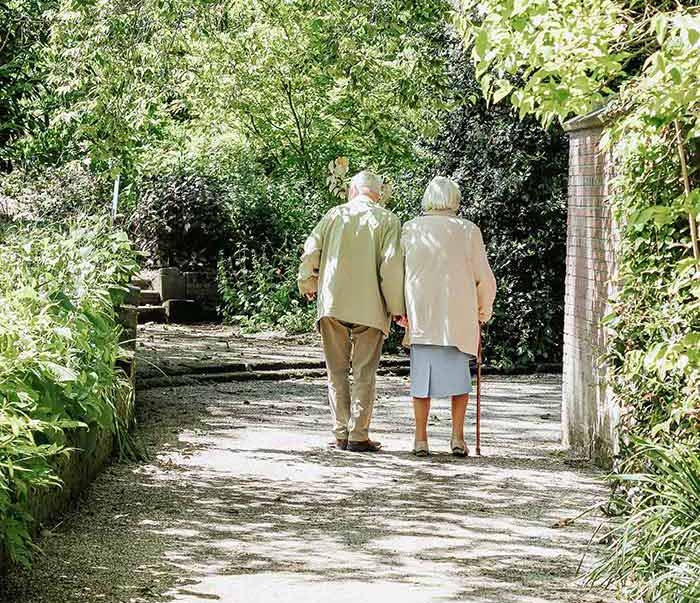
<point>339,444</point>
<point>366,446</point>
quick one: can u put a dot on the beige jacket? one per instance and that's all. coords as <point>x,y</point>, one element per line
<point>449,284</point>
<point>353,261</point>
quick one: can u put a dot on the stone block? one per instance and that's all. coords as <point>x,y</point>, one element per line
<point>182,311</point>
<point>149,297</point>
<point>201,286</point>
<point>151,314</point>
<point>132,297</point>
<point>170,283</point>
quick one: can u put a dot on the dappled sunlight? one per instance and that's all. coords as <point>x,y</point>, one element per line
<point>244,501</point>
<point>270,504</point>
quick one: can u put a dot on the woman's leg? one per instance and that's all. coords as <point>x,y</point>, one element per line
<point>459,409</point>
<point>421,410</point>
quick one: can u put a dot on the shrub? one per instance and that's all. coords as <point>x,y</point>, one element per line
<point>59,342</point>
<point>181,220</point>
<point>262,293</point>
<point>513,176</point>
<point>55,192</point>
<point>655,555</point>
<point>257,277</point>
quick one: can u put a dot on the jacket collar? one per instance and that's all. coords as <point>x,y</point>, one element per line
<point>362,200</point>
<point>440,212</point>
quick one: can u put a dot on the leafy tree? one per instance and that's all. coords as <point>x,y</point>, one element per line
<point>110,84</point>
<point>23,30</point>
<point>309,80</point>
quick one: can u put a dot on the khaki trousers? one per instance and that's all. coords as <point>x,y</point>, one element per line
<point>357,347</point>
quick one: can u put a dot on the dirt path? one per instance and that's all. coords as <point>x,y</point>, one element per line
<point>243,501</point>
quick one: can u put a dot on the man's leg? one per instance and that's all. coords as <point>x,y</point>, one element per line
<point>366,350</point>
<point>336,348</point>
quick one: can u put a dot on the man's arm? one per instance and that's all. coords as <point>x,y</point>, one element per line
<point>307,278</point>
<point>485,281</point>
<point>391,269</point>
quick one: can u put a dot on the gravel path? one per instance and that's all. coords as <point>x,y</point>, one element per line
<point>243,500</point>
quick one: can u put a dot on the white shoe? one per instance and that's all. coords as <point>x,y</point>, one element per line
<point>421,448</point>
<point>459,448</point>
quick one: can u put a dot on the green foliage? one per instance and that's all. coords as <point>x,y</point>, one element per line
<point>306,82</point>
<point>55,192</point>
<point>260,292</point>
<point>180,220</point>
<point>270,219</point>
<point>301,82</point>
<point>59,342</point>
<point>111,84</point>
<point>571,57</point>
<point>656,551</point>
<point>648,53</point>
<point>23,31</point>
<point>654,328</point>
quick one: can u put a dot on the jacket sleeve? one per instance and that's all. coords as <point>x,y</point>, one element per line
<point>391,269</point>
<point>485,281</point>
<point>307,277</point>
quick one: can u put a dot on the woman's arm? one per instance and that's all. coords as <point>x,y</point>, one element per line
<point>483,275</point>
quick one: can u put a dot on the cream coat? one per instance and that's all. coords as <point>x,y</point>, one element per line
<point>449,285</point>
<point>353,260</point>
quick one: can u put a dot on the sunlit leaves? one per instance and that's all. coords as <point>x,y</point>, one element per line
<point>58,348</point>
<point>563,55</point>
<point>307,82</point>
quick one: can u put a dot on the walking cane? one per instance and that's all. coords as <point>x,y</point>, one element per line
<point>478,396</point>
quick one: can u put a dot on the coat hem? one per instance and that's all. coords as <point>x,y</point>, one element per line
<point>384,329</point>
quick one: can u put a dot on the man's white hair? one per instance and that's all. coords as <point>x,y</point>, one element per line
<point>441,194</point>
<point>366,182</point>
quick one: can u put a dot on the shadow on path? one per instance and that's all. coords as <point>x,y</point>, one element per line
<point>244,501</point>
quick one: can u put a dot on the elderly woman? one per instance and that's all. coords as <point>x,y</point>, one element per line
<point>449,290</point>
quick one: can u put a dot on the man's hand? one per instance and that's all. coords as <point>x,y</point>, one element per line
<point>311,296</point>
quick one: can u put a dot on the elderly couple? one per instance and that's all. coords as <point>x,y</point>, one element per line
<point>432,277</point>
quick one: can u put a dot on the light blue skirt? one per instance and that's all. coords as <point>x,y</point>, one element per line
<point>439,371</point>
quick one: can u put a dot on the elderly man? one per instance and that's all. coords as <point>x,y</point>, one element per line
<point>353,262</point>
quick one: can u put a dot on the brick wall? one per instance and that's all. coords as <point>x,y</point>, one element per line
<point>588,416</point>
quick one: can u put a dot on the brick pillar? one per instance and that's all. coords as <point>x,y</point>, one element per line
<point>588,416</point>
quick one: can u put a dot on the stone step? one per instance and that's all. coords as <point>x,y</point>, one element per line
<point>141,283</point>
<point>151,314</point>
<point>183,311</point>
<point>277,375</point>
<point>149,297</point>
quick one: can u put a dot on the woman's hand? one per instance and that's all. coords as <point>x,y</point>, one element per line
<point>402,321</point>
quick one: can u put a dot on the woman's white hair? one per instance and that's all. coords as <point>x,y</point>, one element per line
<point>442,193</point>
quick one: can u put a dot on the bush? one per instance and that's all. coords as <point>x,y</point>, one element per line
<point>59,342</point>
<point>257,277</point>
<point>181,220</point>
<point>513,176</point>
<point>653,362</point>
<point>55,192</point>
<point>655,555</point>
<point>260,293</point>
